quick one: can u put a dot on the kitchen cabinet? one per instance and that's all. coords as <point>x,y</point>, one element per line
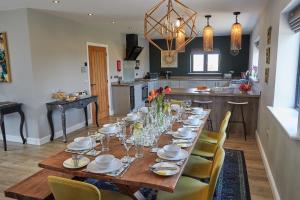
<point>138,97</point>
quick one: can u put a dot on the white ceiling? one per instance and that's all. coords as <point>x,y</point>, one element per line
<point>129,14</point>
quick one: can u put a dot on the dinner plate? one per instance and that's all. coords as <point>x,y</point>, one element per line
<point>75,147</point>
<point>184,145</point>
<point>101,130</point>
<point>201,116</point>
<point>83,161</point>
<point>181,155</point>
<point>186,122</point>
<point>94,167</point>
<point>189,136</point>
<point>165,172</point>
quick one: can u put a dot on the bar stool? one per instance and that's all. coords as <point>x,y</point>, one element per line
<point>206,105</point>
<point>241,105</point>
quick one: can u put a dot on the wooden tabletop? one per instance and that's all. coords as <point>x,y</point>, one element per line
<point>138,174</point>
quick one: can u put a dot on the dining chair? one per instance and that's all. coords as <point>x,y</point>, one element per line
<point>208,150</point>
<point>189,188</point>
<point>67,189</point>
<point>175,101</point>
<point>199,167</point>
<point>213,137</point>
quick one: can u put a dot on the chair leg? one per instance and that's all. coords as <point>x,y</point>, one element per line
<point>244,123</point>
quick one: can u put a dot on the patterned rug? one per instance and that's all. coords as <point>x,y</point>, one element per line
<point>232,184</point>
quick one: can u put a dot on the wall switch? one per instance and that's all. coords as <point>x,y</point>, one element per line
<point>83,70</point>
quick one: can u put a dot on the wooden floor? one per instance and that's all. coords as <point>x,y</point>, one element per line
<point>20,161</point>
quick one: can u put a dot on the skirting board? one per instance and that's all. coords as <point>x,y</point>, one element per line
<point>268,169</point>
<point>44,140</point>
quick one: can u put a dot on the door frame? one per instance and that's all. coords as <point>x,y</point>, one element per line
<point>108,74</point>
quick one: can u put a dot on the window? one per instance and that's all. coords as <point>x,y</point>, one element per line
<point>205,62</point>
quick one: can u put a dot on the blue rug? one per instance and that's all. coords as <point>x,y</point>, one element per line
<point>232,184</point>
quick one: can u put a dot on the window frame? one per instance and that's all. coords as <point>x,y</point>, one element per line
<point>205,71</point>
<point>297,96</point>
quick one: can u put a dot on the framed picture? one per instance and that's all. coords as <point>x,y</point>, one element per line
<point>268,55</point>
<point>4,59</point>
<point>169,59</point>
<point>267,74</point>
<point>269,35</point>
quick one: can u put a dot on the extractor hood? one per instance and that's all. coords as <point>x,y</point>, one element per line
<point>133,49</point>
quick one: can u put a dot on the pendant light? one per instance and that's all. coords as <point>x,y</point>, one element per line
<point>236,36</point>
<point>180,36</point>
<point>171,21</point>
<point>208,36</point>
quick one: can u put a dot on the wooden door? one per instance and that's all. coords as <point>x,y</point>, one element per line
<point>98,79</point>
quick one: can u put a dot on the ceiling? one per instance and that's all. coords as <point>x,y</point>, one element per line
<point>129,14</point>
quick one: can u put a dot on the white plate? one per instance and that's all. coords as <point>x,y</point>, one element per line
<point>181,155</point>
<point>166,172</point>
<point>184,145</point>
<point>201,116</point>
<point>189,136</point>
<point>101,130</point>
<point>75,147</point>
<point>83,161</point>
<point>186,122</point>
<point>94,168</point>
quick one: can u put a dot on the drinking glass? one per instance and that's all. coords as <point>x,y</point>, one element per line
<point>128,142</point>
<point>139,146</point>
<point>92,137</point>
<point>105,142</point>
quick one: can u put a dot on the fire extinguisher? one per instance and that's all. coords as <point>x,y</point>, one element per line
<point>119,68</point>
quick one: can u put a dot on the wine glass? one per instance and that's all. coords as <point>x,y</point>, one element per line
<point>128,142</point>
<point>188,103</point>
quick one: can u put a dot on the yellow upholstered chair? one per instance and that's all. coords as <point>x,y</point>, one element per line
<point>208,150</point>
<point>213,137</point>
<point>174,101</point>
<point>66,189</point>
<point>190,189</point>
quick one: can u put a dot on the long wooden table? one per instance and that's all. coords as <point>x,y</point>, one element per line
<point>138,175</point>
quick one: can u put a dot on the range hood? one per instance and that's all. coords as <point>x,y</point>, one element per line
<point>133,49</point>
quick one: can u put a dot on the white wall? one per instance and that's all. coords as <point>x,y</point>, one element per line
<point>58,50</point>
<point>282,152</point>
<point>22,88</point>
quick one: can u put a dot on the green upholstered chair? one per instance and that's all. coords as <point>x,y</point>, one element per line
<point>191,189</point>
<point>66,189</point>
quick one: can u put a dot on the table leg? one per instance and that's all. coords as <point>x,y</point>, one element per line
<point>49,116</point>
<point>22,125</point>
<point>3,131</point>
<point>131,191</point>
<point>96,107</point>
<point>86,117</point>
<point>63,121</point>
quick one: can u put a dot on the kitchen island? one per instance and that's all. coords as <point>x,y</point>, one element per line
<point>220,106</point>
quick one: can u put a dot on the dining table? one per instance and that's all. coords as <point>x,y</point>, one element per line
<point>138,175</point>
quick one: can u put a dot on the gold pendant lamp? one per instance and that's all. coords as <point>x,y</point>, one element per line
<point>208,36</point>
<point>180,36</point>
<point>171,21</point>
<point>236,36</point>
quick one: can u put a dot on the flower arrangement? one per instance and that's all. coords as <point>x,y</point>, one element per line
<point>158,96</point>
<point>245,87</point>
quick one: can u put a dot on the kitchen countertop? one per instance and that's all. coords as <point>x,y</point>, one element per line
<point>194,92</point>
<point>178,78</point>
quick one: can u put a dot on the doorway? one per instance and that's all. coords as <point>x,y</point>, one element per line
<point>98,73</point>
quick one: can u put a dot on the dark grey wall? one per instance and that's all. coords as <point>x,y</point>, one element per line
<point>228,62</point>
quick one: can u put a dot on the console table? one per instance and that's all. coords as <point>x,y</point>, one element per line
<point>8,108</point>
<point>62,106</point>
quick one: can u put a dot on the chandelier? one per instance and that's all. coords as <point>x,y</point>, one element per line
<point>236,36</point>
<point>171,21</point>
<point>208,36</point>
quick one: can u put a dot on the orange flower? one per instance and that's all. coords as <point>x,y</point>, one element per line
<point>152,93</point>
<point>150,98</point>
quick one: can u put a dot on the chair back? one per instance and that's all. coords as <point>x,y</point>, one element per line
<point>178,102</point>
<point>224,123</point>
<point>216,169</point>
<point>66,189</point>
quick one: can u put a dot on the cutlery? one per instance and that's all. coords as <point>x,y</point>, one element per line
<point>162,168</point>
<point>179,163</point>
